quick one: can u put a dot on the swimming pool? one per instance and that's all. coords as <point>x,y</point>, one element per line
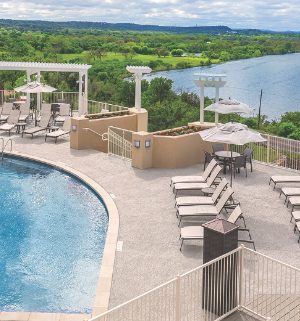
<point>52,236</point>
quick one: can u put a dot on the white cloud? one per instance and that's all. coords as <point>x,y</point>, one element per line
<point>265,14</point>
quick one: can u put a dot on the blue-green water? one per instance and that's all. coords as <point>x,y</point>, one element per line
<point>52,235</point>
<point>278,76</point>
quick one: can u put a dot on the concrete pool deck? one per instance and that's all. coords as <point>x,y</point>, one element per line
<point>148,226</point>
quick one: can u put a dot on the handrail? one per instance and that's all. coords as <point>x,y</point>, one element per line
<point>4,146</point>
<point>102,136</point>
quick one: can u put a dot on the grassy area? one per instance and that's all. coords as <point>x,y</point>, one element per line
<point>163,63</point>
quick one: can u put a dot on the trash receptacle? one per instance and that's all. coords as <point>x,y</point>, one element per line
<point>220,278</point>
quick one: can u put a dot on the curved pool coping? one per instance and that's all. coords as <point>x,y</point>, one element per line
<point>107,263</point>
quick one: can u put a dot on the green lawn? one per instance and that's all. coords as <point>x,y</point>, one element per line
<point>193,61</point>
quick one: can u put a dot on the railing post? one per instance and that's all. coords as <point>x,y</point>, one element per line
<point>178,300</point>
<point>241,274</point>
<point>268,149</point>
<point>123,143</point>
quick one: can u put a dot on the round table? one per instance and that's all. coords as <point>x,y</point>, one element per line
<point>226,156</point>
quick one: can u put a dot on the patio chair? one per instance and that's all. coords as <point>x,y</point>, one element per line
<point>202,200</point>
<point>248,153</point>
<point>289,191</point>
<point>64,112</point>
<point>195,178</point>
<point>60,132</point>
<point>207,158</point>
<point>12,121</point>
<point>217,147</point>
<point>6,110</point>
<point>206,211</point>
<point>197,186</point>
<point>25,112</point>
<point>197,232</point>
<point>238,163</point>
<point>284,179</point>
<point>43,125</point>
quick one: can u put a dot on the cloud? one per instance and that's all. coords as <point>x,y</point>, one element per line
<point>264,14</point>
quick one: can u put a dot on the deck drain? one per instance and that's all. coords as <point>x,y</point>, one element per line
<point>119,246</point>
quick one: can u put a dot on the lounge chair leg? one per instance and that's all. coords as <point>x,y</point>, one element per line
<point>181,244</point>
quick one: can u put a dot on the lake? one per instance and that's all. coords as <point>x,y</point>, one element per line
<point>278,76</point>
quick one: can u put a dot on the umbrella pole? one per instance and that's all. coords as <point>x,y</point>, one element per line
<point>231,167</point>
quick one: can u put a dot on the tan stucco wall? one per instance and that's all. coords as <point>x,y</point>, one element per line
<point>82,139</point>
<point>178,151</point>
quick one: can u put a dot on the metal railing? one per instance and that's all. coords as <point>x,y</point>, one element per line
<point>120,142</point>
<point>96,107</point>
<point>4,145</point>
<point>5,95</point>
<point>276,150</point>
<point>65,97</point>
<point>242,280</point>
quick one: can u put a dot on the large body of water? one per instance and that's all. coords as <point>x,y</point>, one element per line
<point>52,235</point>
<point>278,76</point>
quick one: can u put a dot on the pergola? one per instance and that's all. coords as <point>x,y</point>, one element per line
<point>33,68</point>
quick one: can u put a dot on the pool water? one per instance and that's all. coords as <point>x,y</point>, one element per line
<point>52,235</point>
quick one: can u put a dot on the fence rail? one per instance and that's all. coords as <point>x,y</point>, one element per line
<point>240,280</point>
<point>96,107</point>
<point>120,142</point>
<point>276,150</point>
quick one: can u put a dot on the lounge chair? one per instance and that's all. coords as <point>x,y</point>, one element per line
<point>197,186</point>
<point>195,178</point>
<point>25,112</point>
<point>294,201</point>
<point>60,132</point>
<point>284,179</point>
<point>43,125</point>
<point>197,232</point>
<point>6,110</point>
<point>289,191</point>
<point>202,200</point>
<point>12,120</point>
<point>206,211</point>
<point>45,110</point>
<point>64,113</point>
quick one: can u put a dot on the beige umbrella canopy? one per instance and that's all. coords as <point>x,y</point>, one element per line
<point>35,87</point>
<point>228,106</point>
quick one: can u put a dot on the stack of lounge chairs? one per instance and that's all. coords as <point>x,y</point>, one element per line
<point>291,196</point>
<point>11,122</point>
<point>202,205</point>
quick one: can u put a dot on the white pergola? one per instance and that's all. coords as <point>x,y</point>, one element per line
<point>209,80</point>
<point>33,68</point>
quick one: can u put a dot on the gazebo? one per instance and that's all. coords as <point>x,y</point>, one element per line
<point>33,68</point>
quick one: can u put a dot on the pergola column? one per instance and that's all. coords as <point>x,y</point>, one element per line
<point>206,80</point>
<point>80,100</point>
<point>28,74</point>
<point>85,98</point>
<point>138,72</point>
<point>38,98</point>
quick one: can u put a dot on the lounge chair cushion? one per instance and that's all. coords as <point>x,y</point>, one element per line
<point>296,215</point>
<point>197,210</point>
<point>60,119</point>
<point>294,200</point>
<point>3,117</point>
<point>188,179</point>
<point>192,232</point>
<point>57,133</point>
<point>190,186</point>
<point>283,179</point>
<point>34,130</point>
<point>194,200</point>
<point>7,126</point>
<point>290,191</point>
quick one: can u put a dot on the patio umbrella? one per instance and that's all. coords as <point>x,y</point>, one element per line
<point>231,133</point>
<point>228,106</point>
<point>35,87</point>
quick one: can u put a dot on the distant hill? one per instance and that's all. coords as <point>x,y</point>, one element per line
<point>51,25</point>
<point>60,25</point>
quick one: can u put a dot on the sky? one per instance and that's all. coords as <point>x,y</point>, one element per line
<point>261,14</point>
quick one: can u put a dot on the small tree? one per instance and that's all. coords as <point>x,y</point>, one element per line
<point>177,52</point>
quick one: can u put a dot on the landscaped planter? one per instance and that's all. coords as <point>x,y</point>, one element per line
<point>108,114</point>
<point>174,149</point>
<point>180,131</point>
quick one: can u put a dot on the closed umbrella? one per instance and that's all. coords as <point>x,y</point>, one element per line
<point>35,87</point>
<point>231,133</point>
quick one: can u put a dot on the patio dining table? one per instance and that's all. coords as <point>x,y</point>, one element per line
<point>226,156</point>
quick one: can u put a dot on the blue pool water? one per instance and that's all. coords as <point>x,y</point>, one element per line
<point>52,235</point>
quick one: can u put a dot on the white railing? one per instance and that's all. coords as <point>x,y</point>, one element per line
<point>65,97</point>
<point>276,150</point>
<point>96,107</point>
<point>120,142</point>
<point>239,280</point>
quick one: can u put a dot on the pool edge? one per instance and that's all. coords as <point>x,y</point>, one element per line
<point>108,258</point>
